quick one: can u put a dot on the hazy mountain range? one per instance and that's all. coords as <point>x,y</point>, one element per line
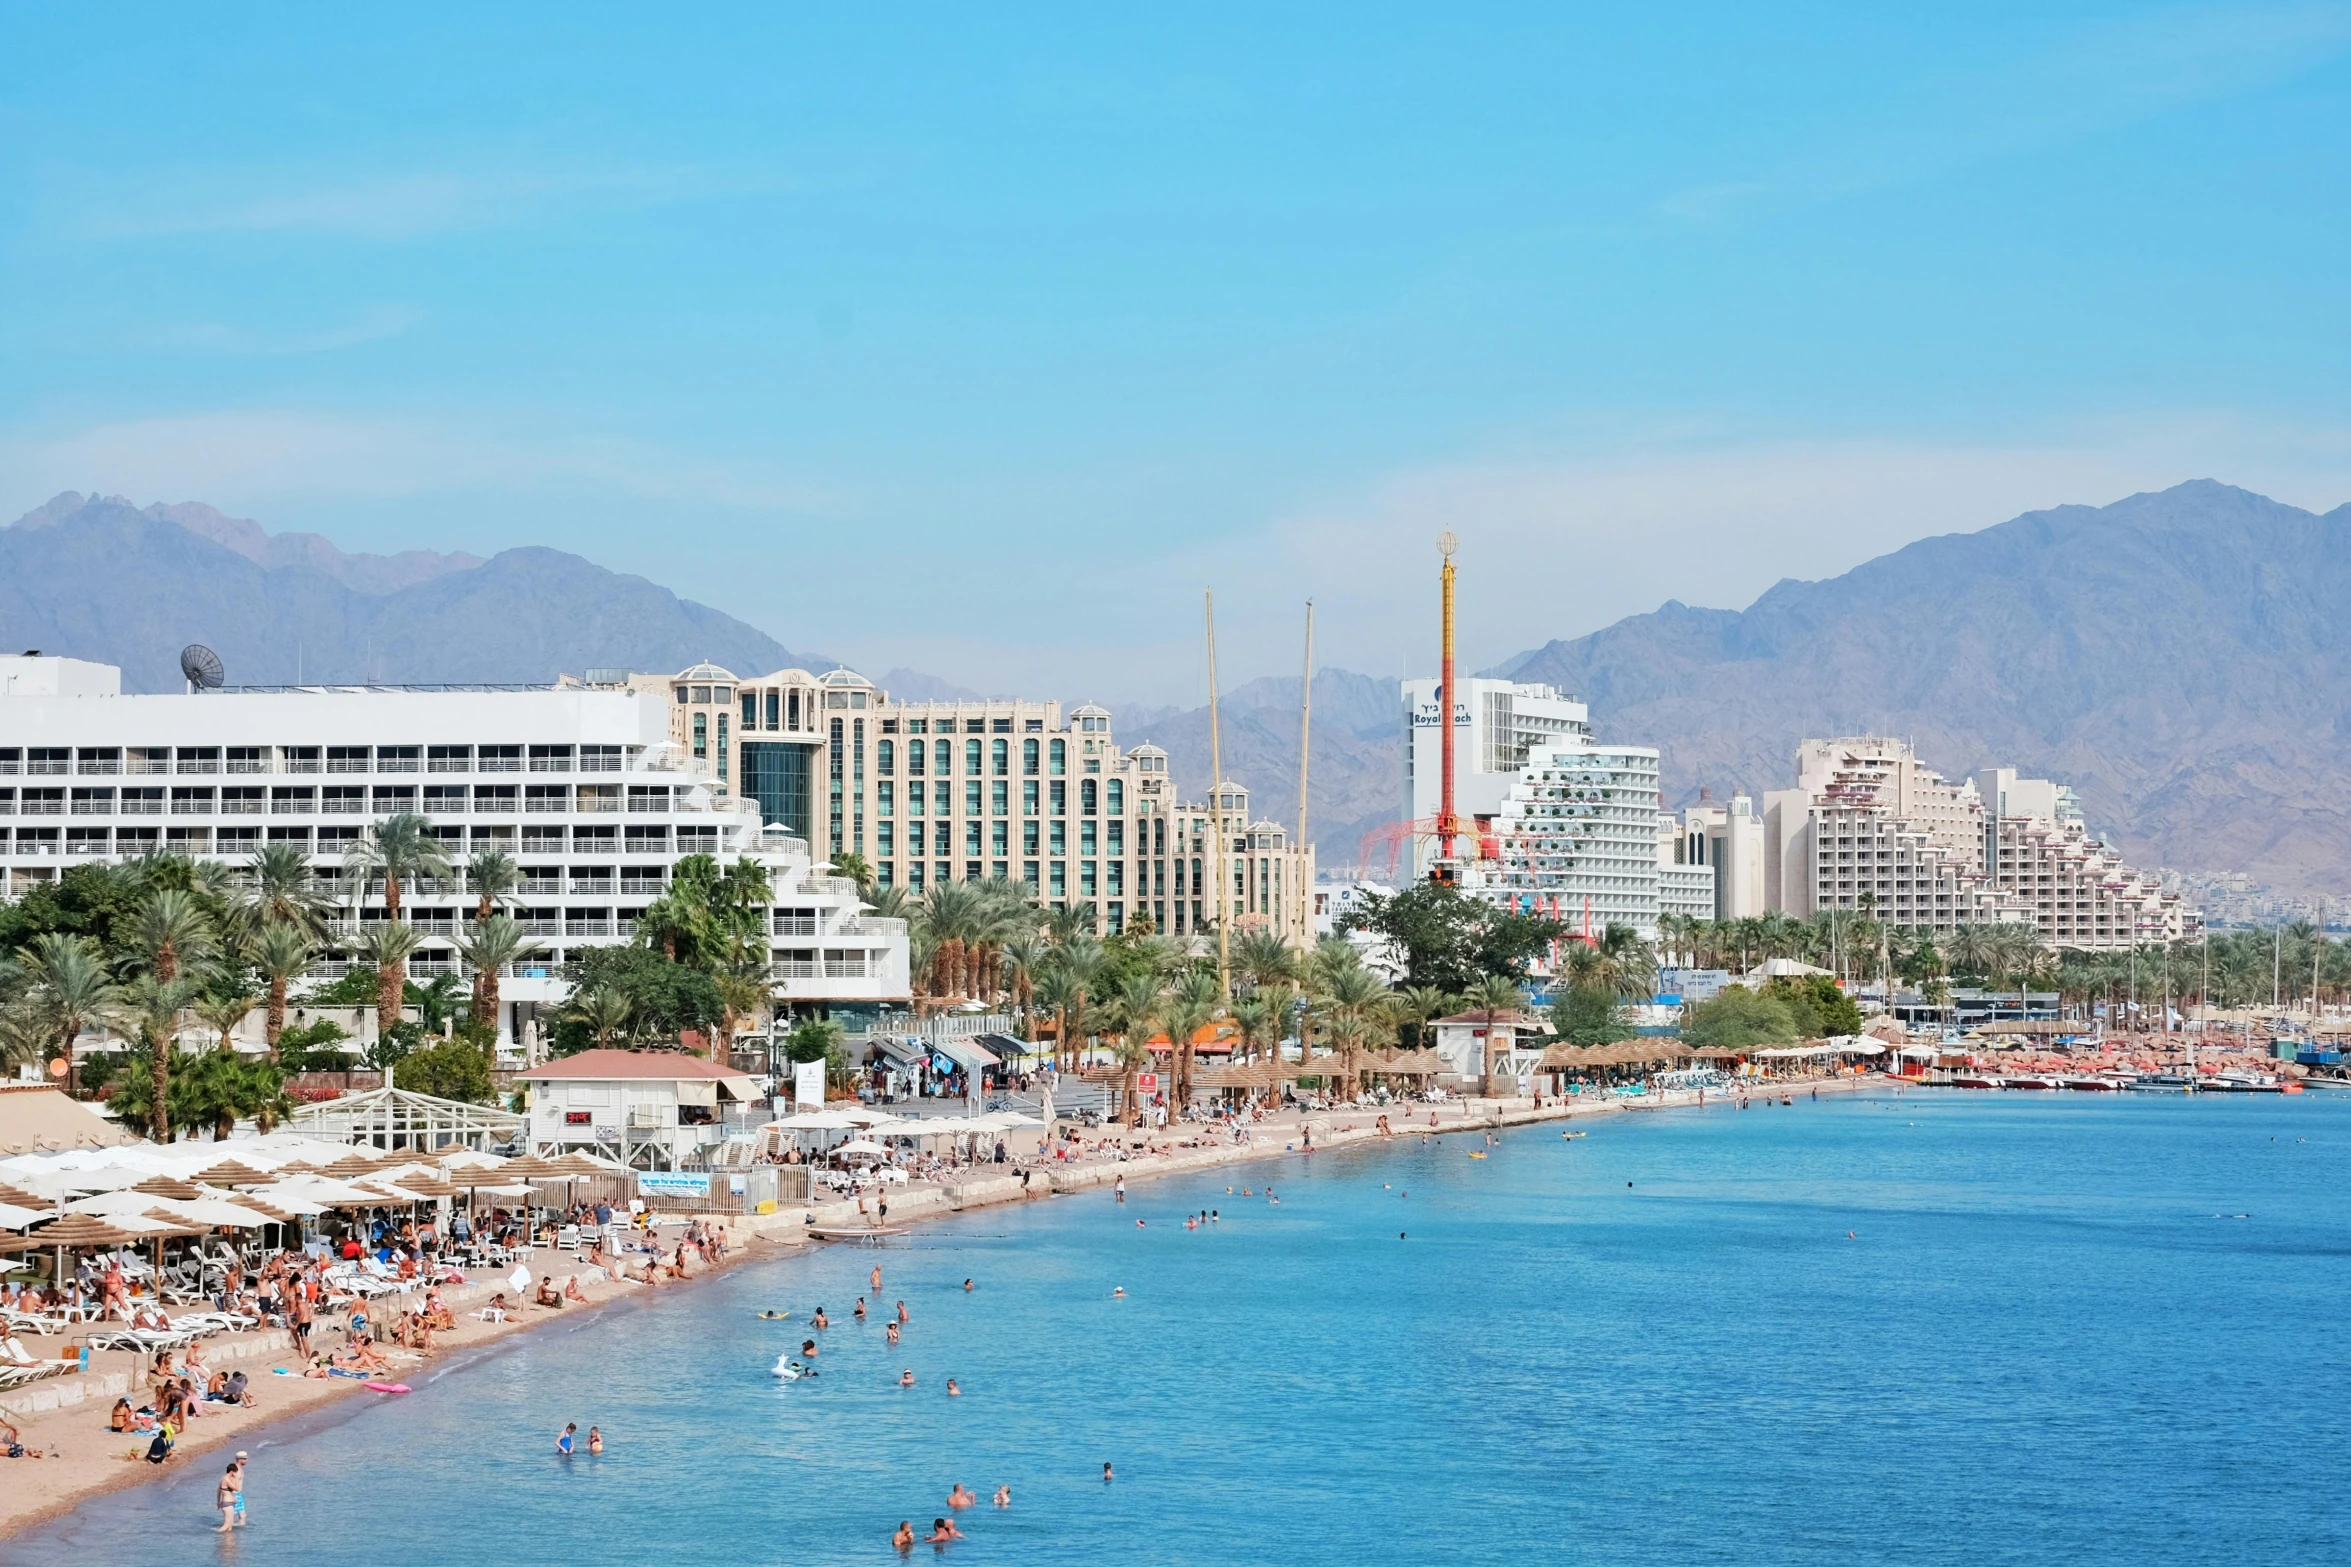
<point>2179,658</point>
<point>96,577</point>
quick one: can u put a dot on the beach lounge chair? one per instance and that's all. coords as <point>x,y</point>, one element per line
<point>30,1321</point>
<point>30,1368</point>
<point>568,1238</point>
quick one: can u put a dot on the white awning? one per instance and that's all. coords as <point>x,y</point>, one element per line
<point>697,1091</point>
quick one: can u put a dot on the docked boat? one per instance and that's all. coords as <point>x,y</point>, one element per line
<point>1975,1082</point>
<point>2163,1083</point>
<point>2092,1085</point>
<point>2028,1082</point>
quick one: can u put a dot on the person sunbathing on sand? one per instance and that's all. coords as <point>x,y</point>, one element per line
<point>547,1295</point>
<point>572,1290</point>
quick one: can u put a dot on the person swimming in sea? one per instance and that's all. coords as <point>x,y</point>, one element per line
<point>875,1279</point>
<point>959,1497</point>
<point>893,1332</point>
<point>859,1310</point>
<point>1106,1474</point>
<point>563,1441</point>
<point>904,1538</point>
<point>906,1377</point>
<point>595,1441</point>
<point>820,1320</point>
<point>952,1390</point>
<point>942,1531</point>
<point>1119,1293</point>
<point>808,1348</point>
<point>773,1316</point>
<point>1004,1496</point>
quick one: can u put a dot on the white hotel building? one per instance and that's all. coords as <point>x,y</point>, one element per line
<point>1558,823</point>
<point>582,785</point>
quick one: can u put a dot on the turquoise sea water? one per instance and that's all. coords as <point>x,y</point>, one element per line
<point>1933,1327</point>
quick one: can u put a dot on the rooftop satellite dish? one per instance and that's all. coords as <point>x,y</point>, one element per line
<point>202,666</point>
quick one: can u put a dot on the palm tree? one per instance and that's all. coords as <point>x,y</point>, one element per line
<point>607,1013</point>
<point>387,944</point>
<point>1133,1011</point>
<point>283,888</point>
<point>25,1032</point>
<point>854,868</point>
<point>1257,1019</point>
<point>171,933</point>
<point>1021,955</point>
<point>1082,966</point>
<point>71,985</point>
<point>1416,1004</point>
<point>1194,1004</point>
<point>1262,958</point>
<point>1354,1004</point>
<point>222,1014</point>
<point>150,1007</point>
<point>436,1003</point>
<point>282,952</point>
<point>1493,996</point>
<point>493,877</point>
<point>400,850</point>
<point>487,949</point>
<point>742,996</point>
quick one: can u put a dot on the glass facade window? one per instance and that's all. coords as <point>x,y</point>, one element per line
<point>971,758</point>
<point>750,710</point>
<point>775,715</point>
<point>885,838</point>
<point>914,754</point>
<point>1028,873</point>
<point>1028,797</point>
<point>1000,757</point>
<point>1058,883</point>
<point>942,757</point>
<point>971,797</point>
<point>885,758</point>
<point>1118,797</point>
<point>1059,751</point>
<point>857,775</point>
<point>1059,838</point>
<point>776,776</point>
<point>701,736</point>
<point>1086,879</point>
<point>971,837</point>
<point>1118,836</point>
<point>1089,797</point>
<point>1086,838</point>
<point>1000,838</point>
<point>940,802</point>
<point>836,774</point>
<point>1000,798</point>
<point>1060,797</point>
<point>722,747</point>
<point>884,799</point>
<point>1118,877</point>
<point>1116,916</point>
<point>1028,758</point>
<point>1028,837</point>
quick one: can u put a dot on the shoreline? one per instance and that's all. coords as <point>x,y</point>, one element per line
<point>97,1463</point>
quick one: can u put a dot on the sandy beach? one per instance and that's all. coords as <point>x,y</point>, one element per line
<point>67,1416</point>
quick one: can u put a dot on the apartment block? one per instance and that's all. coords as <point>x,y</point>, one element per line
<point>938,791</point>
<point>582,785</point>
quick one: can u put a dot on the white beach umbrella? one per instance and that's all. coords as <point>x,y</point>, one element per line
<point>15,1218</point>
<point>863,1149</point>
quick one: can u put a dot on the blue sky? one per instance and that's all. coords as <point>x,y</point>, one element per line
<point>982,339</point>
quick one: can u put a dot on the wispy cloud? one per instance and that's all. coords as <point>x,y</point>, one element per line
<point>2096,79</point>
<point>372,325</point>
<point>403,205</point>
